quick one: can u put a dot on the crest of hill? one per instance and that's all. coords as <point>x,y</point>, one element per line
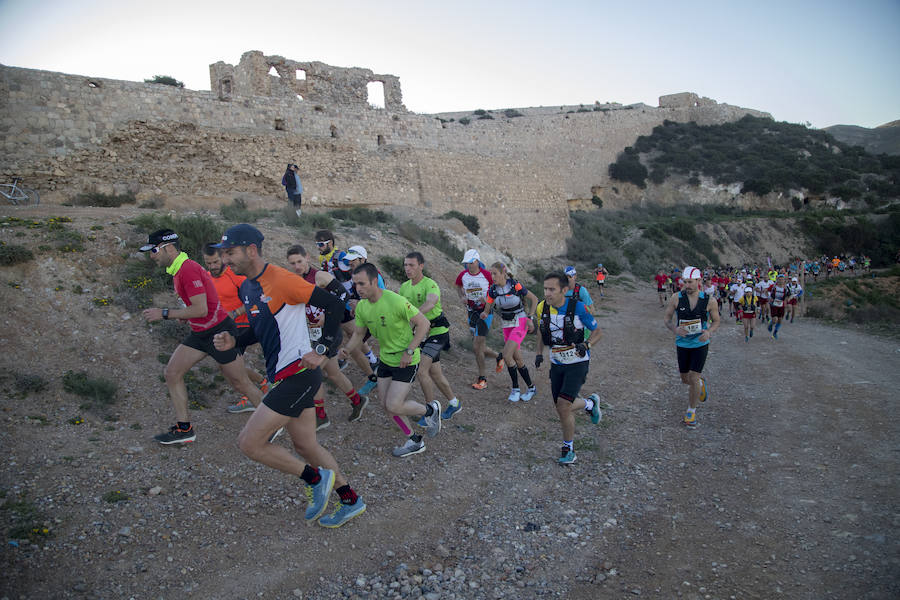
<point>884,139</point>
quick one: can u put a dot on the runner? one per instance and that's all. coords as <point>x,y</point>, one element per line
<point>796,296</point>
<point>562,324</point>
<point>580,292</point>
<point>275,300</point>
<point>692,329</point>
<point>298,259</point>
<point>472,285</point>
<point>206,317</point>
<point>508,299</point>
<point>400,329</point>
<point>747,301</point>
<point>661,280</point>
<point>762,289</point>
<point>601,274</point>
<point>227,285</point>
<point>424,293</point>
<point>779,295</point>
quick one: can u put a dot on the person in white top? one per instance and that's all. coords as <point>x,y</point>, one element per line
<point>796,294</point>
<point>472,285</point>
<point>763,288</point>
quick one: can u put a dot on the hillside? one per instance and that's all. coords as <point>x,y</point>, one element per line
<point>798,503</point>
<point>883,139</point>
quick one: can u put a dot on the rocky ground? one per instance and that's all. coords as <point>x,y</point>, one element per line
<point>786,489</point>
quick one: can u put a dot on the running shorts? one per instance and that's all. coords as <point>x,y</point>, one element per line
<point>478,326</point>
<point>433,345</point>
<point>203,341</point>
<point>692,359</point>
<point>748,315</point>
<point>401,374</point>
<point>792,301</point>
<point>517,333</point>
<point>763,301</point>
<point>567,379</point>
<point>777,311</point>
<point>292,394</point>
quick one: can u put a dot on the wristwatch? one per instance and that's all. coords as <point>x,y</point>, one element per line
<point>165,314</point>
<point>321,349</point>
<point>411,351</point>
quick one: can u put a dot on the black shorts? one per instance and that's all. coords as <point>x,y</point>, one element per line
<point>660,290</point>
<point>481,326</point>
<point>244,339</point>
<point>203,341</point>
<point>404,375</point>
<point>433,345</point>
<point>568,379</point>
<point>692,359</point>
<point>293,394</point>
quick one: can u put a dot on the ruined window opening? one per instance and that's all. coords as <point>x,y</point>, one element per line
<point>375,91</point>
<point>279,124</point>
<point>301,75</point>
<point>272,71</point>
<point>93,84</point>
<point>380,140</point>
<point>226,87</point>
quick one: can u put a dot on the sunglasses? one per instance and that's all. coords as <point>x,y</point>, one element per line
<point>158,248</point>
<point>323,244</point>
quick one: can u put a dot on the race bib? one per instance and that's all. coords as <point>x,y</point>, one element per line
<point>565,354</point>
<point>475,294</point>
<point>777,302</point>
<point>509,323</point>
<point>315,333</point>
<point>692,326</point>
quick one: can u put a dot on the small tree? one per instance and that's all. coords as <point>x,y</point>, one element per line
<point>165,80</point>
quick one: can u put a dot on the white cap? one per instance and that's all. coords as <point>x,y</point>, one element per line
<point>793,279</point>
<point>356,252</point>
<point>691,273</point>
<point>471,256</point>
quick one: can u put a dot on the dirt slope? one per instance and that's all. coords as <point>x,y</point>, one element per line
<point>786,489</point>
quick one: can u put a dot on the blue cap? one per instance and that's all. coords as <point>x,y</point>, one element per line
<point>240,235</point>
<point>570,271</point>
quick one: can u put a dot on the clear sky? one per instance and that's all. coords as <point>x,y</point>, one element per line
<point>826,62</point>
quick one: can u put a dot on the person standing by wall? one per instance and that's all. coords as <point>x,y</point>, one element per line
<point>292,185</point>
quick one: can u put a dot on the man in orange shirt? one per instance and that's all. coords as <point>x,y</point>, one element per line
<point>227,285</point>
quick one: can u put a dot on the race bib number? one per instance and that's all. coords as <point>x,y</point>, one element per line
<point>692,326</point>
<point>777,302</point>
<point>315,333</point>
<point>564,354</point>
<point>475,294</point>
<point>509,323</point>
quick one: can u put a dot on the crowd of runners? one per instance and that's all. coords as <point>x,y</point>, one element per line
<point>318,313</point>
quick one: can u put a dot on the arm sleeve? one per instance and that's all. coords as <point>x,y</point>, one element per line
<point>586,318</point>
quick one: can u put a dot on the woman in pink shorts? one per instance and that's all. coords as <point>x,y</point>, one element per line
<point>507,296</point>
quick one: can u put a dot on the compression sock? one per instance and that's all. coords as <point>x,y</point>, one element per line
<point>346,494</point>
<point>514,375</point>
<point>526,376</point>
<point>399,421</point>
<point>353,396</point>
<point>320,408</point>
<point>310,475</point>
<point>777,327</point>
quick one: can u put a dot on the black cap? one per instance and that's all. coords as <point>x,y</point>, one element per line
<point>240,235</point>
<point>160,236</point>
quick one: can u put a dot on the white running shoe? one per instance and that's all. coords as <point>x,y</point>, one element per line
<point>514,395</point>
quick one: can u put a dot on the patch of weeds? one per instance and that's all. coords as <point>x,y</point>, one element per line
<point>237,212</point>
<point>393,267</point>
<point>99,302</point>
<point>154,202</point>
<point>13,254</point>
<point>91,198</point>
<point>29,383</point>
<point>96,389</point>
<point>114,496</point>
<point>25,520</point>
<point>467,428</point>
<point>41,419</point>
<point>135,426</point>
<point>67,458</point>
<point>470,221</point>
<point>360,216</point>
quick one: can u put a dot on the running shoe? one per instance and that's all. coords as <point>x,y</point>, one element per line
<point>176,435</point>
<point>343,513</point>
<point>243,405</point>
<point>514,395</point>
<point>751,333</point>
<point>703,393</point>
<point>299,212</point>
<point>529,394</point>
<point>450,411</point>
<point>690,419</point>
<point>500,365</point>
<point>275,435</point>
<point>433,423</point>
<point>317,495</point>
<point>367,387</point>
<point>775,335</point>
<point>567,456</point>
<point>480,384</point>
<point>356,413</point>
<point>746,338</point>
<point>322,422</point>
<point>770,326</point>
<point>409,448</point>
<point>596,413</point>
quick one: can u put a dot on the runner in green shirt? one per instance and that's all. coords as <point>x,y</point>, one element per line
<point>424,292</point>
<point>399,328</point>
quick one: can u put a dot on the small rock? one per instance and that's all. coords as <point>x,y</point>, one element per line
<point>155,491</point>
<point>298,593</point>
<point>442,551</point>
<point>125,531</point>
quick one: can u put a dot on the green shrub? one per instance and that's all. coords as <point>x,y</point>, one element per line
<point>165,80</point>
<point>28,383</point>
<point>103,200</point>
<point>115,496</point>
<point>512,113</point>
<point>491,117</point>
<point>465,120</point>
<point>237,212</point>
<point>360,216</point>
<point>392,266</point>
<point>13,254</point>
<point>96,389</point>
<point>470,221</point>
<point>437,239</point>
<point>480,112</point>
<point>194,231</point>
<point>597,201</point>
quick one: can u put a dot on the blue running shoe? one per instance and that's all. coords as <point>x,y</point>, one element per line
<point>770,326</point>
<point>596,413</point>
<point>422,422</point>
<point>448,412</point>
<point>775,334</point>
<point>343,513</point>
<point>567,456</point>
<point>317,495</point>
<point>366,389</point>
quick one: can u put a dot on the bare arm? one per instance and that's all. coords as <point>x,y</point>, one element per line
<point>430,301</point>
<point>354,343</point>
<point>196,309</point>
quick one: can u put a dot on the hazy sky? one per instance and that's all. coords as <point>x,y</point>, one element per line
<point>827,62</point>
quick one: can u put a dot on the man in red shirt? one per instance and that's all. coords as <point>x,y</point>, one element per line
<point>206,316</point>
<point>227,285</point>
<point>661,280</point>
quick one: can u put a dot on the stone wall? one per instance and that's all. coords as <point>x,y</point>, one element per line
<point>65,133</point>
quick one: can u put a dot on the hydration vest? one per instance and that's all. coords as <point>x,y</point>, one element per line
<point>571,334</point>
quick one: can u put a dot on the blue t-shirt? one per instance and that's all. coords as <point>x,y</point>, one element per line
<point>583,296</point>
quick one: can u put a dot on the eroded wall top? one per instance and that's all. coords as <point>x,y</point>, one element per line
<point>307,81</point>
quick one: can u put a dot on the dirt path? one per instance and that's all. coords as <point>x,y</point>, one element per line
<point>786,489</point>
